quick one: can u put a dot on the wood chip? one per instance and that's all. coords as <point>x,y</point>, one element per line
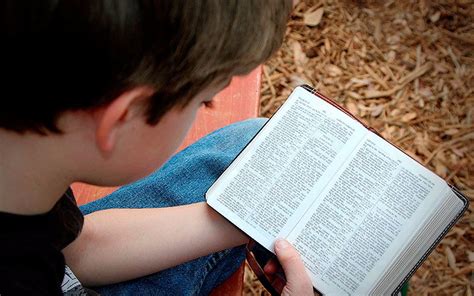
<point>451,258</point>
<point>470,256</point>
<point>409,117</point>
<point>299,56</point>
<point>313,18</point>
<point>333,70</point>
<point>435,17</point>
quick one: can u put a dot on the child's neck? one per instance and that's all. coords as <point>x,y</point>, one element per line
<point>33,173</point>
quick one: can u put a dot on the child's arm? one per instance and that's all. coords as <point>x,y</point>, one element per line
<point>120,244</point>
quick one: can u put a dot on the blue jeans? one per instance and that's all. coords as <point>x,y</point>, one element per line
<point>184,179</point>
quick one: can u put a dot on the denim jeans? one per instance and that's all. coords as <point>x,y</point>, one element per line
<point>184,179</point>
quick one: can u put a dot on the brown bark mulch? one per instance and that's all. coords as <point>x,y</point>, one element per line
<point>406,69</point>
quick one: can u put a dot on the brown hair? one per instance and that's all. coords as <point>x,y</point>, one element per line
<point>80,54</point>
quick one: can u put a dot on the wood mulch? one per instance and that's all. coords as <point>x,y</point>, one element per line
<point>406,69</point>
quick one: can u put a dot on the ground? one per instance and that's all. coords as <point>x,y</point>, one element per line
<point>406,69</point>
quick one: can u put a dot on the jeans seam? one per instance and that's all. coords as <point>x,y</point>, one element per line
<point>211,264</point>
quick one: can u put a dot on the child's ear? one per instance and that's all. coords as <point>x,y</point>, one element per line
<point>111,117</point>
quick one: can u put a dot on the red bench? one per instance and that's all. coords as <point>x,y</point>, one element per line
<point>239,101</point>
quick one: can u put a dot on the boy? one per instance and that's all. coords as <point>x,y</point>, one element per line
<point>103,92</point>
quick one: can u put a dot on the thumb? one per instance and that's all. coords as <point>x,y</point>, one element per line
<point>297,279</point>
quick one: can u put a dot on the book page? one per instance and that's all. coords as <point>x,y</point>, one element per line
<point>274,180</point>
<point>422,239</point>
<point>363,218</point>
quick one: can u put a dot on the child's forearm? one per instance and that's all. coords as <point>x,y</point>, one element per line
<point>121,244</point>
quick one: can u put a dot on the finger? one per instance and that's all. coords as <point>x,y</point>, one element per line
<point>293,266</point>
<point>290,260</point>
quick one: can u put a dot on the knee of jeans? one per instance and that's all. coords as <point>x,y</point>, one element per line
<point>252,125</point>
<point>234,137</point>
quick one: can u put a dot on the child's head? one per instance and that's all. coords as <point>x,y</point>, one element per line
<point>64,57</point>
<point>60,55</point>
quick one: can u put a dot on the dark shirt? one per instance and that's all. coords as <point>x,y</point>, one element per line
<point>31,262</point>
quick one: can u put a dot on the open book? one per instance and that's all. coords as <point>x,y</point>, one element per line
<point>362,213</point>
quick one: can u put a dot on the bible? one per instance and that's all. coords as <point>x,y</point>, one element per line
<point>363,214</point>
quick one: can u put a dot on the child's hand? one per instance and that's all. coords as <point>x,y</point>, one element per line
<point>297,279</point>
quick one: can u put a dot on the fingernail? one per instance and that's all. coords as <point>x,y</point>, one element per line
<point>281,244</point>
